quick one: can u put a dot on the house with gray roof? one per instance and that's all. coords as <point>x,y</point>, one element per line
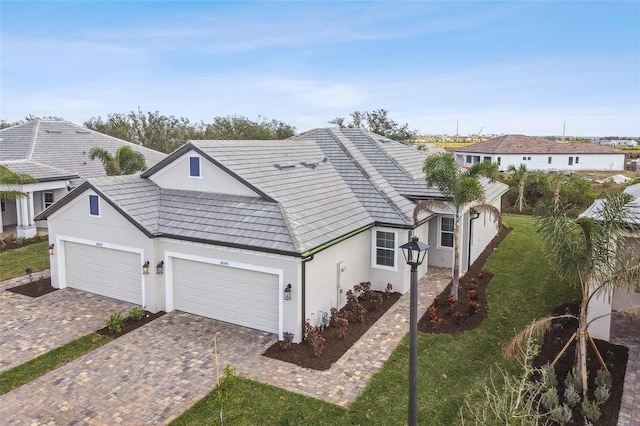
<point>263,234</point>
<point>56,154</point>
<point>607,300</point>
<point>542,154</point>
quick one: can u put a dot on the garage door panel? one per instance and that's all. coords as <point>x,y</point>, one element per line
<point>104,271</point>
<point>238,296</point>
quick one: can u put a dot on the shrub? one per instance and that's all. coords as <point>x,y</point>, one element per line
<point>287,341</point>
<point>341,327</point>
<point>451,299</point>
<point>562,414</point>
<point>474,306</point>
<point>354,308</point>
<point>573,381</point>
<point>590,410</point>
<point>460,317</point>
<point>114,322</point>
<point>602,394</point>
<point>550,399</point>
<point>365,292</point>
<point>136,313</point>
<point>603,378</point>
<point>314,338</point>
<point>387,290</point>
<point>472,294</point>
<point>548,375</point>
<point>571,395</point>
<point>433,315</point>
<point>437,300</point>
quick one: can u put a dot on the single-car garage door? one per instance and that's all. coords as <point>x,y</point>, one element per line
<point>104,271</point>
<point>233,295</point>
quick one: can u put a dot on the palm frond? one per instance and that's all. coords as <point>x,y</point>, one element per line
<point>535,330</point>
<point>426,205</point>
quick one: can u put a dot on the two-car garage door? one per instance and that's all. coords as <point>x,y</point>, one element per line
<point>235,295</point>
<point>104,271</point>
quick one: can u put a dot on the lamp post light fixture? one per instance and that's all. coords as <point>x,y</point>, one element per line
<point>287,292</point>
<point>160,268</point>
<point>52,250</point>
<point>145,268</point>
<point>414,253</point>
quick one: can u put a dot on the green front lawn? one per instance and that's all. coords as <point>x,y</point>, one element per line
<point>14,262</point>
<point>449,365</point>
<point>49,361</point>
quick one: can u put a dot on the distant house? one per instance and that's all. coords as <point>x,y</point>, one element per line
<point>56,153</point>
<point>542,154</point>
<point>263,234</point>
<point>606,302</point>
<point>617,142</point>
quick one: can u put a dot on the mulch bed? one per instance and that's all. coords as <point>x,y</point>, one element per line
<point>12,243</point>
<point>35,288</point>
<point>615,356</point>
<point>302,355</point>
<point>461,317</point>
<point>130,324</point>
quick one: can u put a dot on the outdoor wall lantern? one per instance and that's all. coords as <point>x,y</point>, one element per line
<point>160,268</point>
<point>52,249</point>
<point>414,253</point>
<point>145,268</point>
<point>287,292</point>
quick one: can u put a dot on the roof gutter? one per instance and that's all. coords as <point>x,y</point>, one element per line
<point>335,241</point>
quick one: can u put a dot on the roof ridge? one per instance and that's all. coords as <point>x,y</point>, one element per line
<point>389,157</point>
<point>296,238</point>
<point>370,172</point>
<point>34,136</point>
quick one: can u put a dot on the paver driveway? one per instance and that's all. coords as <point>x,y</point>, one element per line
<point>32,326</point>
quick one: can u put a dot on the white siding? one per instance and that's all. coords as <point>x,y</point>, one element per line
<point>559,162</point>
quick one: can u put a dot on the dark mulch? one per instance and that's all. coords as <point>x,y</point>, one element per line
<point>130,325</point>
<point>615,356</point>
<point>302,355</point>
<point>36,288</point>
<point>461,317</point>
<point>12,243</point>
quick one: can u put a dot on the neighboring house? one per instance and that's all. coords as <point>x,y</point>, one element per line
<point>56,153</point>
<point>542,154</point>
<point>606,302</point>
<point>618,142</point>
<point>228,227</point>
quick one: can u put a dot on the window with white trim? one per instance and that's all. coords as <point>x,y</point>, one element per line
<point>446,231</point>
<point>47,199</point>
<point>385,249</point>
<point>3,205</point>
<point>194,167</point>
<point>548,160</point>
<point>94,205</point>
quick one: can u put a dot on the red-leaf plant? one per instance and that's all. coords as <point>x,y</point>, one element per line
<point>314,338</point>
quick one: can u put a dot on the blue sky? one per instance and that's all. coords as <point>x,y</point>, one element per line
<point>503,67</point>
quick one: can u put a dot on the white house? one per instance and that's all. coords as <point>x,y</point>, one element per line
<point>56,154</point>
<point>603,302</point>
<point>228,227</point>
<point>542,154</point>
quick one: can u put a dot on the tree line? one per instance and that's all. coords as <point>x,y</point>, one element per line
<point>165,133</point>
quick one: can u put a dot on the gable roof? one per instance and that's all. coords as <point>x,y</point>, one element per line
<point>45,148</point>
<point>310,190</point>
<point>520,144</point>
<point>633,207</point>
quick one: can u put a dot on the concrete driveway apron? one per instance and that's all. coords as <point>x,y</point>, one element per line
<point>32,326</point>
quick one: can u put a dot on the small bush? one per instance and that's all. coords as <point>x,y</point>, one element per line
<point>573,381</point>
<point>549,379</point>
<point>387,290</point>
<point>460,317</point>
<point>136,313</point>
<point>562,414</point>
<point>472,294</point>
<point>571,395</point>
<point>550,399</point>
<point>590,410</point>
<point>341,327</point>
<point>474,306</point>
<point>602,394</point>
<point>287,341</point>
<point>114,322</point>
<point>314,338</point>
<point>603,378</point>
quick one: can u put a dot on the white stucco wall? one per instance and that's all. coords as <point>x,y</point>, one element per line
<point>212,179</point>
<point>560,162</point>
<point>484,229</point>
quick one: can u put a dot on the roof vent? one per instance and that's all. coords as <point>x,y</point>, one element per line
<point>54,131</point>
<point>82,132</point>
<point>287,165</point>
<point>325,159</point>
<point>309,165</point>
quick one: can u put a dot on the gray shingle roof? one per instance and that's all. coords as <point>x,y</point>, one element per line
<point>39,171</point>
<point>63,146</point>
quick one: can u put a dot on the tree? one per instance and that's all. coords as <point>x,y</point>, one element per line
<point>592,253</point>
<point>126,161</point>
<point>9,177</point>
<point>462,187</point>
<point>378,122</point>
<point>237,127</point>
<point>521,173</point>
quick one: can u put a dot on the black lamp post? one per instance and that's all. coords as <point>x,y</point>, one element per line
<point>414,253</point>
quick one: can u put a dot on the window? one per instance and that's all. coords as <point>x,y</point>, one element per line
<point>548,160</point>
<point>487,160</point>
<point>3,206</point>
<point>469,159</point>
<point>385,249</point>
<point>194,166</point>
<point>528,158</point>
<point>47,199</point>
<point>524,158</point>
<point>499,159</point>
<point>570,161</point>
<point>473,159</point>
<point>94,205</point>
<point>446,231</point>
<point>577,159</point>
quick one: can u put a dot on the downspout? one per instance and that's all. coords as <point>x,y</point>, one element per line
<point>474,217</point>
<point>304,291</point>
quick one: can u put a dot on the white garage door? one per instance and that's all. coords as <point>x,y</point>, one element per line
<point>233,295</point>
<point>111,273</point>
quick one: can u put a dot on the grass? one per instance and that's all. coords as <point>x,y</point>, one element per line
<point>14,262</point>
<point>449,366</point>
<point>49,361</point>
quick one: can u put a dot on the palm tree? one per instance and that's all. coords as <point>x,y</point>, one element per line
<point>521,173</point>
<point>9,177</point>
<point>126,161</point>
<point>461,187</point>
<point>590,252</point>
<point>557,180</point>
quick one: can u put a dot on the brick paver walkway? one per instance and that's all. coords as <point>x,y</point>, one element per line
<point>625,331</point>
<point>153,374</point>
<point>32,326</point>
